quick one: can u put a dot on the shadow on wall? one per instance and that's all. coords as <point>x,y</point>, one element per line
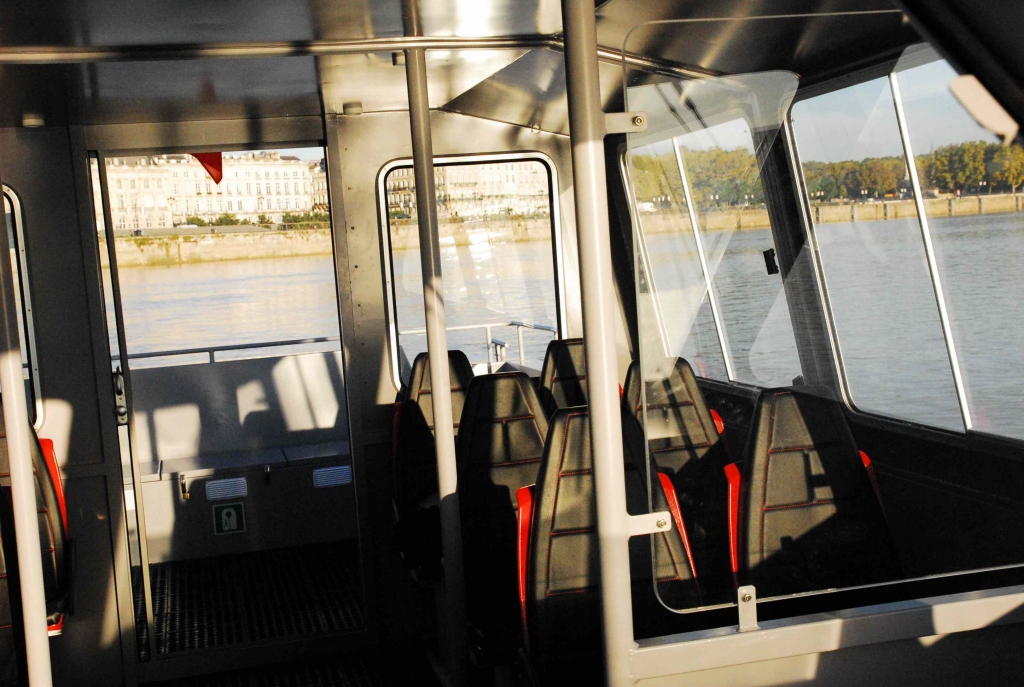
<point>240,405</point>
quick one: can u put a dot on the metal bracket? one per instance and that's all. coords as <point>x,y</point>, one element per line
<point>746,603</point>
<point>625,123</point>
<point>650,523</point>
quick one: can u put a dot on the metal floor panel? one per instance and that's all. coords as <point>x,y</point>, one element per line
<point>224,601</point>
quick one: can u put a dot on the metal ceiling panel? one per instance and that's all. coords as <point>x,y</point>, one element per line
<point>809,37</point>
<point>375,81</point>
<point>530,92</point>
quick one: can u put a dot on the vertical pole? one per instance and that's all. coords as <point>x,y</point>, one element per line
<point>23,489</point>
<point>437,348</point>
<point>712,299</point>
<point>586,130</point>
<point>929,252</point>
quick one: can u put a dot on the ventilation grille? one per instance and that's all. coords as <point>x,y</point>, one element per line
<point>336,476</point>
<point>230,488</point>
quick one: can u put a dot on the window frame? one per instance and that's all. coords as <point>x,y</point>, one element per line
<point>990,440</point>
<point>18,231</point>
<point>384,231</point>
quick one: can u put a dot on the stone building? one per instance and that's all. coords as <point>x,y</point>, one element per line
<point>158,191</point>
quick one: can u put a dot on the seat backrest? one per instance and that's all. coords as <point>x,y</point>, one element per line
<point>562,564</point>
<point>53,533</point>
<point>810,518</point>
<point>563,377</point>
<point>415,467</point>
<point>500,444</point>
<point>682,435</point>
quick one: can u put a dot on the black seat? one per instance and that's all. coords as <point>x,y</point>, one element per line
<point>804,514</point>
<point>501,441</point>
<point>687,442</point>
<point>414,464</point>
<point>53,539</point>
<point>560,567</point>
<point>563,377</point>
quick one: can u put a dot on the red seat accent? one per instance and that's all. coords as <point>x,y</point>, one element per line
<point>719,422</point>
<point>524,499</point>
<point>677,514</point>
<point>56,628</point>
<point>732,475</point>
<point>872,476</point>
<point>50,455</point>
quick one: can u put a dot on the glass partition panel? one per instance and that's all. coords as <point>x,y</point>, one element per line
<point>711,305</point>
<point>971,180</point>
<point>23,302</point>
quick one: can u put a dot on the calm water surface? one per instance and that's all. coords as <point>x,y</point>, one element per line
<point>882,301</point>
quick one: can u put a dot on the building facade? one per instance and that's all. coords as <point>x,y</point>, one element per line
<point>161,191</point>
<point>491,189</point>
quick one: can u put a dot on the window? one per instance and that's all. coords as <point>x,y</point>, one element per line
<point>872,256</point>
<point>23,301</point>
<point>500,263</point>
<point>971,184</point>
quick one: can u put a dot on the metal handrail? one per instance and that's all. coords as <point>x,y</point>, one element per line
<point>213,350</point>
<point>495,347</point>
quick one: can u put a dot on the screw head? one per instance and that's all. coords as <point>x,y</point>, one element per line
<point>638,120</point>
<point>746,598</point>
<point>662,524</point>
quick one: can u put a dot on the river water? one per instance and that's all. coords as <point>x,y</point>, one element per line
<point>882,301</point>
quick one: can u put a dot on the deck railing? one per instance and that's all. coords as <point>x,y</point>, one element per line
<point>496,348</point>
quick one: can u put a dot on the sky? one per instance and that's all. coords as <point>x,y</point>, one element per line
<point>860,122</point>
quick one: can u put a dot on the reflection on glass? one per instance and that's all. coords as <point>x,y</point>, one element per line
<point>971,184</point>
<point>733,221</point>
<point>872,255</point>
<point>497,260</point>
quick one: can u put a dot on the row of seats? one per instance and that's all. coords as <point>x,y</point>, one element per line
<point>798,512</point>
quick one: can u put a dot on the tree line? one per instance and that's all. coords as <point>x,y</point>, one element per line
<point>730,177</point>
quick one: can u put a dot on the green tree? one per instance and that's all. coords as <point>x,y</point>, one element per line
<point>198,221</point>
<point>262,219</point>
<point>1008,166</point>
<point>226,220</point>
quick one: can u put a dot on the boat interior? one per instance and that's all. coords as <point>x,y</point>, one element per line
<point>783,346</point>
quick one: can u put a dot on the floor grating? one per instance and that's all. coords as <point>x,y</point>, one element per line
<point>228,600</point>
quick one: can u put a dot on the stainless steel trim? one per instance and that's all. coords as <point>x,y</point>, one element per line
<point>586,133</point>
<point>60,54</point>
<point>929,251</point>
<point>391,317</point>
<point>723,340</point>
<point>23,488</point>
<point>26,300</point>
<point>122,344</point>
<point>824,632</point>
<point>454,640</point>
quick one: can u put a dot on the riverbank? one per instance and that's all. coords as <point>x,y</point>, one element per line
<point>163,249</point>
<point>160,248</point>
<point>757,218</point>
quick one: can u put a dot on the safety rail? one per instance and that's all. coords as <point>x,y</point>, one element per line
<point>495,347</point>
<point>211,351</point>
